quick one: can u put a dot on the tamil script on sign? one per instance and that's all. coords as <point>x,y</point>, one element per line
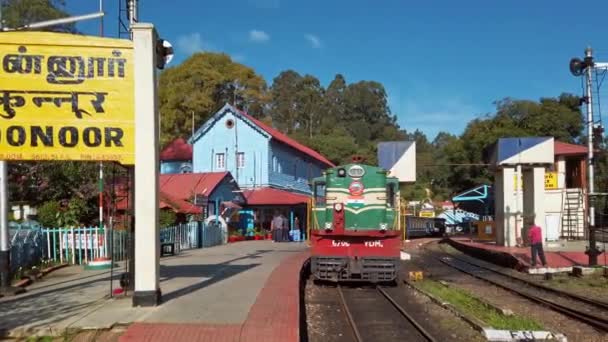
<point>66,97</point>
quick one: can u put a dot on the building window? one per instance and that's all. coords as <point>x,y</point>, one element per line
<point>240,160</point>
<point>220,161</point>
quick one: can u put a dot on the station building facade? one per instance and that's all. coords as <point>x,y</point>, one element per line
<point>271,170</point>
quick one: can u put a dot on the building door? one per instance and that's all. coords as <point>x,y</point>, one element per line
<point>573,173</point>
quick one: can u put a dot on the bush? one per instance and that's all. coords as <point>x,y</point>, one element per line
<point>47,214</point>
<point>167,218</point>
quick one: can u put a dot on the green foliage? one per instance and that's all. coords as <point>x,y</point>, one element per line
<point>72,215</point>
<point>47,214</point>
<point>167,218</point>
<point>200,86</point>
<point>18,13</point>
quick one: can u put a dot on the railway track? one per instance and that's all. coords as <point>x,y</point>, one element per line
<point>374,315</point>
<point>583,309</point>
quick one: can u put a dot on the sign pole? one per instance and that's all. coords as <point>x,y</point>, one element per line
<point>5,250</point>
<point>147,244</point>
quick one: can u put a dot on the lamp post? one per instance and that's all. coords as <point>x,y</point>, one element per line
<point>586,67</point>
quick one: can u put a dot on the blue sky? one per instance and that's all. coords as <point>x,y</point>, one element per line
<point>442,62</point>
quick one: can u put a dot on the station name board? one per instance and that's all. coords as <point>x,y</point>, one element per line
<point>66,97</point>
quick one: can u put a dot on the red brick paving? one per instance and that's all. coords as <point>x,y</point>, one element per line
<point>523,255</point>
<point>275,315</point>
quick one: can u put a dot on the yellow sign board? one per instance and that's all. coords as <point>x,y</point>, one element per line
<point>550,181</point>
<point>427,213</point>
<point>66,97</point>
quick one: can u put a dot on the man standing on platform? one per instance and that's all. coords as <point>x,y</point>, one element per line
<point>536,243</point>
<point>276,227</point>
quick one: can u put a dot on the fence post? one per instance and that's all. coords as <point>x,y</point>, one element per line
<point>80,246</point>
<point>60,246</point>
<point>54,245</point>
<point>48,244</point>
<point>73,246</point>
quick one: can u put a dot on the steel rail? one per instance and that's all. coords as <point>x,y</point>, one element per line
<point>596,322</point>
<point>597,303</point>
<point>349,316</point>
<point>407,316</point>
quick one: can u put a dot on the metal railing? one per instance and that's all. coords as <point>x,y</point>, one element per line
<point>27,245</point>
<point>193,235</point>
<point>31,244</point>
<point>78,245</point>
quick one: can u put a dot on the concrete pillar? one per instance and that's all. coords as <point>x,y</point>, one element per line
<point>534,200</point>
<point>539,199</point>
<point>147,241</point>
<point>506,207</point>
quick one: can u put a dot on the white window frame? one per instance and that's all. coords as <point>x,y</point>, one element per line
<point>220,161</point>
<point>240,160</point>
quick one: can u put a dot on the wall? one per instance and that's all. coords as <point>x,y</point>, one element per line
<point>291,169</point>
<point>220,139</point>
<point>174,166</point>
<point>225,191</point>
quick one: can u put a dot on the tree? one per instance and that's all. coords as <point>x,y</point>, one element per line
<point>200,86</point>
<point>18,13</point>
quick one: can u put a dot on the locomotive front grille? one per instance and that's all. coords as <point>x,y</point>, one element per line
<point>370,269</point>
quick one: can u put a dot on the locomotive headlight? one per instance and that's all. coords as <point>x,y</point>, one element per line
<point>327,225</point>
<point>383,226</point>
<point>338,207</point>
<point>341,173</point>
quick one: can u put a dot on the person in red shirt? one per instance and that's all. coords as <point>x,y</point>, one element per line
<point>536,243</point>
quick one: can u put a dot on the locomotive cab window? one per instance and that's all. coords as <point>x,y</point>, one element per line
<point>390,195</point>
<point>319,192</point>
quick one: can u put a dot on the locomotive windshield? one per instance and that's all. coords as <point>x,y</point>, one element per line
<point>319,193</point>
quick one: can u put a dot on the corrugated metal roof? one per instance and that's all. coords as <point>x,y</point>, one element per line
<point>176,190</point>
<point>271,196</point>
<point>275,134</point>
<point>186,185</point>
<point>565,149</point>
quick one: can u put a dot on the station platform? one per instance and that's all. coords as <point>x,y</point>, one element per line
<point>519,258</point>
<point>241,291</point>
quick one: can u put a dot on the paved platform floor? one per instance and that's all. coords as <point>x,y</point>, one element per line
<point>557,259</point>
<point>216,285</point>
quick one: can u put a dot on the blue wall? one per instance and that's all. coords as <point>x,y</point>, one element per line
<point>267,162</point>
<point>174,166</point>
<point>291,169</point>
<point>220,139</point>
<point>224,192</point>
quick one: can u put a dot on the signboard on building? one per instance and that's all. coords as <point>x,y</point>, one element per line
<point>427,213</point>
<point>550,180</point>
<point>66,97</point>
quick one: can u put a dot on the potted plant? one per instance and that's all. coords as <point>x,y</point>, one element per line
<point>250,233</point>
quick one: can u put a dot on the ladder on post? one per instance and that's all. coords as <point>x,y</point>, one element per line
<point>572,200</point>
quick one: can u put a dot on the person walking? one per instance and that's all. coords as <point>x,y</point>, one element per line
<point>536,244</point>
<point>285,228</point>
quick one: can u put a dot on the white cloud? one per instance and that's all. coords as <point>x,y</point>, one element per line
<point>258,36</point>
<point>314,41</point>
<point>191,43</point>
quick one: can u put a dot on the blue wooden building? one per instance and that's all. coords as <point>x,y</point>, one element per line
<point>256,154</point>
